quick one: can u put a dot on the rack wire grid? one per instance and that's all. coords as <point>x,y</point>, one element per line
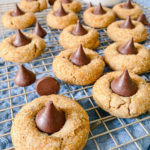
<point>106,131</point>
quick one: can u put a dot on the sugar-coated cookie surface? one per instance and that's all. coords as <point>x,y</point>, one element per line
<point>124,107</point>
<point>66,71</point>
<point>33,6</point>
<point>72,136</point>
<point>24,53</point>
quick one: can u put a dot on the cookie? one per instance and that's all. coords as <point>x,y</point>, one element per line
<point>123,10</point>
<point>71,5</point>
<point>33,6</point>
<point>120,106</point>
<point>18,19</point>
<point>61,19</point>
<point>99,20</point>
<point>125,30</point>
<point>136,63</point>
<point>75,71</point>
<point>86,36</point>
<point>73,134</point>
<point>11,49</point>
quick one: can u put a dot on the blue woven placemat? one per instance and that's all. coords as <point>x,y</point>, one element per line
<point>107,132</point>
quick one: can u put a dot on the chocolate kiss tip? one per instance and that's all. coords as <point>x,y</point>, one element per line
<point>24,77</point>
<point>128,48</point>
<point>79,57</point>
<point>79,29</point>
<point>89,5</point>
<point>66,1</point>
<point>49,119</point>
<point>51,2</point>
<point>17,11</point>
<point>21,39</point>
<point>127,24</point>
<point>60,12</point>
<point>128,5</point>
<point>142,18</point>
<point>39,31</point>
<point>99,10</point>
<point>123,85</point>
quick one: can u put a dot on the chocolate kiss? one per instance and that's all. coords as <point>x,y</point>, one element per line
<point>60,12</point>
<point>99,10</point>
<point>127,24</point>
<point>38,30</point>
<point>17,11</point>
<point>21,39</point>
<point>51,2</point>
<point>123,85</point>
<point>79,30</point>
<point>79,57</point>
<point>66,1</point>
<point>142,18</point>
<point>128,48</point>
<point>128,5</point>
<point>49,119</point>
<point>24,77</point>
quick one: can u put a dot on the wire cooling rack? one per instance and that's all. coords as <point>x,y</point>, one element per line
<point>106,132</point>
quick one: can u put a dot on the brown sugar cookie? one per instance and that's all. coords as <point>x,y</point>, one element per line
<point>132,56</point>
<point>78,34</point>
<point>101,16</point>
<point>136,91</point>
<point>33,5</point>
<point>18,19</point>
<point>61,19</point>
<point>21,47</point>
<point>78,66</point>
<point>70,132</point>
<point>69,5</point>
<point>123,10</point>
<point>125,30</point>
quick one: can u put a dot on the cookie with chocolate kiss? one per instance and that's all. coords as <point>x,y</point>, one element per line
<point>47,86</point>
<point>99,10</point>
<point>79,30</point>
<point>49,119</point>
<point>128,5</point>
<point>128,48</point>
<point>24,77</point>
<point>124,85</point>
<point>142,18</point>
<point>39,31</point>
<point>21,39</point>
<point>60,12</point>
<point>17,11</point>
<point>79,57</point>
<point>127,24</point>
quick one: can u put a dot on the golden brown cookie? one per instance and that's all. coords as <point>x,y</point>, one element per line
<point>116,33</point>
<point>124,107</point>
<point>72,136</point>
<point>74,6</point>
<point>18,22</point>
<point>136,63</point>
<point>66,71</point>
<point>33,6</point>
<point>123,13</point>
<point>60,22</point>
<point>24,53</point>
<point>98,21</point>
<point>89,40</point>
